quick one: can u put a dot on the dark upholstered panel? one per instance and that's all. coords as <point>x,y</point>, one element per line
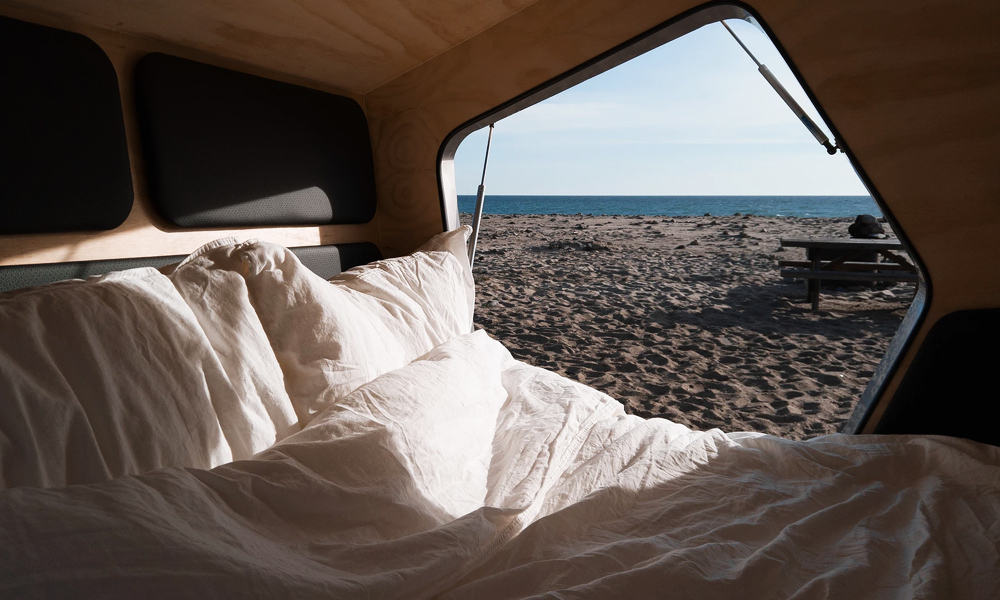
<point>328,261</point>
<point>951,382</point>
<point>63,156</point>
<point>325,261</point>
<point>224,148</point>
<point>15,277</point>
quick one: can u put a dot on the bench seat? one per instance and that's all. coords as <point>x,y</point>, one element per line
<point>847,275</point>
<point>848,266</point>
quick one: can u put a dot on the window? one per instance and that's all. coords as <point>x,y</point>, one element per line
<point>633,238</point>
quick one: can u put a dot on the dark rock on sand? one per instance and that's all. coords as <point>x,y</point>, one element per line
<point>866,226</point>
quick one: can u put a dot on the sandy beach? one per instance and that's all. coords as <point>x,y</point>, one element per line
<point>685,317</point>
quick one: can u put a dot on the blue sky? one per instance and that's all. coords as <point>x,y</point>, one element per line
<point>692,117</point>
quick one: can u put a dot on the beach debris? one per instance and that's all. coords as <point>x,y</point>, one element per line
<point>584,245</point>
<point>866,226</point>
<point>829,378</point>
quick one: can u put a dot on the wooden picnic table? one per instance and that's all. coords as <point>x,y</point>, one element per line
<point>844,259</point>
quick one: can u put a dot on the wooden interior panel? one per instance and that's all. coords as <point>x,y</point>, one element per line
<point>355,45</point>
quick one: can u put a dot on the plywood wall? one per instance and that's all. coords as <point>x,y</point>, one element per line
<point>354,44</point>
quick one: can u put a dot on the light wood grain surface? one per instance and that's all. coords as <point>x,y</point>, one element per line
<point>354,45</point>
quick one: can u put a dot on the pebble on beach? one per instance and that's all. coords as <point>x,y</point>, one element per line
<point>674,321</point>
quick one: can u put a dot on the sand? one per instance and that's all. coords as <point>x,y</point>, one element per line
<point>685,318</point>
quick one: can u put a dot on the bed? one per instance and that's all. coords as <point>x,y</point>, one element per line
<point>234,425</point>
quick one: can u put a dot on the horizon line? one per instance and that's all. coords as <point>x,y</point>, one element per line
<point>681,195</point>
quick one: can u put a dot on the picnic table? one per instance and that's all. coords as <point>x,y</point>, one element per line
<point>847,259</point>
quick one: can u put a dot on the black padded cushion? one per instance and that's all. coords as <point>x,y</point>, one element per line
<point>227,149</point>
<point>325,261</point>
<point>15,277</point>
<point>949,386</point>
<point>330,261</point>
<point>64,162</point>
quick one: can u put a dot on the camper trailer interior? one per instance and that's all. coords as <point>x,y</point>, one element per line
<point>236,306</point>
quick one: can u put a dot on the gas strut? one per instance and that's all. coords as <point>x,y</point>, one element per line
<point>480,200</point>
<point>792,104</point>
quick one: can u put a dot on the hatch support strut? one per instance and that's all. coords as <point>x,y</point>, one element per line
<point>477,217</point>
<point>831,148</point>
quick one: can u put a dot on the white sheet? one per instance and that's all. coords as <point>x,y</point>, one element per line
<point>106,377</point>
<point>469,475</point>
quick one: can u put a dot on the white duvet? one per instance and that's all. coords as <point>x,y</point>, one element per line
<point>216,358</point>
<point>467,474</point>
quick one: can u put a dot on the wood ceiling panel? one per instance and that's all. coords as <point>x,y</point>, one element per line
<point>354,45</point>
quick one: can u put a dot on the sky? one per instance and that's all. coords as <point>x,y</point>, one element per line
<point>692,117</point>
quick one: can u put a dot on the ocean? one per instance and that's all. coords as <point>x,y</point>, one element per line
<point>676,206</point>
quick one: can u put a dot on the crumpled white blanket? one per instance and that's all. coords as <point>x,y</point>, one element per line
<point>467,474</point>
<point>107,377</point>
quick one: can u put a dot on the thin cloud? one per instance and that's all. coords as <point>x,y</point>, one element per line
<point>691,117</point>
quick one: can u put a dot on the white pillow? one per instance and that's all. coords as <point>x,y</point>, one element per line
<point>106,377</point>
<point>211,281</point>
<point>331,338</point>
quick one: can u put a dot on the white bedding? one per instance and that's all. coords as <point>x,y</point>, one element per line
<point>461,474</point>
<point>467,474</point>
<point>215,359</point>
<point>107,377</point>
